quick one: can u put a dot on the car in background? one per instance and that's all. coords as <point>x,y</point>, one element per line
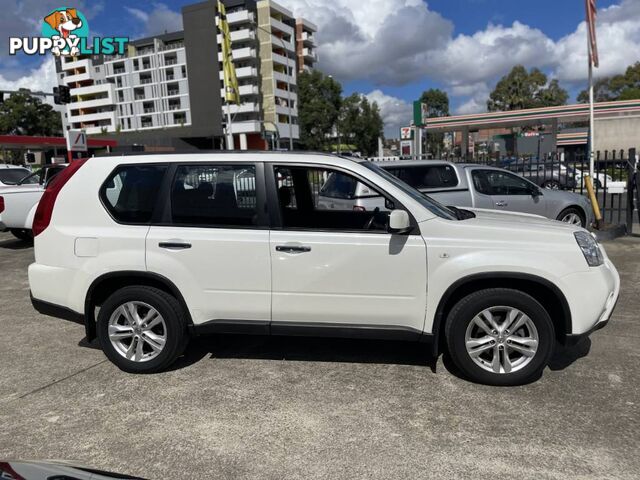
<point>10,175</point>
<point>18,203</point>
<point>549,175</point>
<point>463,185</point>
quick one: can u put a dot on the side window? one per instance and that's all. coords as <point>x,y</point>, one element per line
<point>214,195</point>
<point>131,191</point>
<point>436,176</point>
<point>494,182</point>
<point>326,199</point>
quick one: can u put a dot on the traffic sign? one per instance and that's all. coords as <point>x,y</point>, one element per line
<point>76,141</point>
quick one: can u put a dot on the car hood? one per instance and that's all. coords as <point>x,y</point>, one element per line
<point>517,221</point>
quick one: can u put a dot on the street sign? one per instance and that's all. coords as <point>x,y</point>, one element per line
<point>406,133</point>
<point>76,141</point>
<point>420,113</point>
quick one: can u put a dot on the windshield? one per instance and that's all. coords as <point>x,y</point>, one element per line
<point>425,200</point>
<point>11,176</point>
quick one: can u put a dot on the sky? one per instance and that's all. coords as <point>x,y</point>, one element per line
<point>389,50</point>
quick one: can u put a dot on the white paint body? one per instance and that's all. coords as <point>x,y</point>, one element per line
<point>347,278</point>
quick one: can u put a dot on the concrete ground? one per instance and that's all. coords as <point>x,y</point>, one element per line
<point>252,407</point>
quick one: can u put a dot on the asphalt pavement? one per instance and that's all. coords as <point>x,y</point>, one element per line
<point>289,408</point>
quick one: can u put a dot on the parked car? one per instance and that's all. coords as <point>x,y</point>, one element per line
<point>546,175</point>
<point>10,175</point>
<point>466,185</point>
<point>55,470</point>
<point>149,266</point>
<point>18,204</point>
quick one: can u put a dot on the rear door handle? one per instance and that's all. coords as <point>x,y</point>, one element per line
<point>292,249</point>
<point>175,245</point>
<point>502,203</point>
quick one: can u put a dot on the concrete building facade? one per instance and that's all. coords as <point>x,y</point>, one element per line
<point>173,82</point>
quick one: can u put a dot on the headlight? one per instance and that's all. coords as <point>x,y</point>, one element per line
<point>590,249</point>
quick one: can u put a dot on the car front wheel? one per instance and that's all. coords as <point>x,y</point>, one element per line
<point>572,216</point>
<point>500,337</point>
<point>142,329</point>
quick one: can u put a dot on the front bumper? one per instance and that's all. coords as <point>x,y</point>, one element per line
<point>592,298</point>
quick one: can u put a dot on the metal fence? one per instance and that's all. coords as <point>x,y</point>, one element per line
<point>614,177</point>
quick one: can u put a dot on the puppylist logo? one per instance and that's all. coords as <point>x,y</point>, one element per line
<point>65,31</point>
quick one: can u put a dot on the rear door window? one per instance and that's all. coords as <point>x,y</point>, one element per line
<point>131,192</point>
<point>215,195</point>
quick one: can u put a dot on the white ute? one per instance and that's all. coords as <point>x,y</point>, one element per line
<point>149,250</point>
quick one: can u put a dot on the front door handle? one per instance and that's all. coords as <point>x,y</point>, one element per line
<point>175,245</point>
<point>502,203</point>
<point>292,249</point>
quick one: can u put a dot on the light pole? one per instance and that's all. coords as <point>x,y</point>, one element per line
<point>286,53</point>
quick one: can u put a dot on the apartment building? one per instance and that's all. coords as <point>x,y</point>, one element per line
<point>92,96</point>
<point>167,90</point>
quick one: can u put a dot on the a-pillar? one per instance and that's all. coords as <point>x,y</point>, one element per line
<point>464,143</point>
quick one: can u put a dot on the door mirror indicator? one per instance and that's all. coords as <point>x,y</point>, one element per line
<point>399,222</point>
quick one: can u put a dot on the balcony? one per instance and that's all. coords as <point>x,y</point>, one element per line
<point>73,64</point>
<point>244,90</point>
<point>79,77</point>
<point>310,54</point>
<point>282,43</point>
<point>92,117</point>
<point>175,106</point>
<point>283,77</point>
<point>244,35</point>
<point>241,16</point>
<point>282,60</point>
<point>244,108</point>
<point>145,81</point>
<point>173,92</point>
<point>285,94</point>
<point>308,38</point>
<point>281,26</point>
<point>283,130</point>
<point>240,54</point>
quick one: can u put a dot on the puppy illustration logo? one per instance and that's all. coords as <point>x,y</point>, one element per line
<point>67,24</point>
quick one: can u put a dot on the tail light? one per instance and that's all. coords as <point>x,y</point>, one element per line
<point>358,208</point>
<point>1,204</point>
<point>44,211</point>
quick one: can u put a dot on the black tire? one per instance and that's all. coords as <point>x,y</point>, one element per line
<point>174,318</point>
<point>573,211</point>
<point>463,313</point>
<point>552,185</point>
<point>22,234</point>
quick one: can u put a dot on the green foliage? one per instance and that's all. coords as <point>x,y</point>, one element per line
<point>521,89</point>
<point>360,123</point>
<point>23,114</point>
<point>318,108</point>
<point>618,87</point>
<point>437,106</point>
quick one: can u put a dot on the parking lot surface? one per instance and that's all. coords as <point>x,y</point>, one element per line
<point>274,408</point>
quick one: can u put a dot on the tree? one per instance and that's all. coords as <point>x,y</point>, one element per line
<point>360,123</point>
<point>618,87</point>
<point>521,89</point>
<point>437,102</point>
<point>319,101</point>
<point>24,114</point>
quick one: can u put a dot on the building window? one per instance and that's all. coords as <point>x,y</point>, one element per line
<point>180,118</point>
<point>146,122</point>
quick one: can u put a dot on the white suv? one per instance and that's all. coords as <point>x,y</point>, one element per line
<point>150,250</point>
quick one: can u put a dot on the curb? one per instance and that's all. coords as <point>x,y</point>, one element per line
<point>611,233</point>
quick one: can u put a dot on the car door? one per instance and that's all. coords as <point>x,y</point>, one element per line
<point>339,268</point>
<point>212,241</point>
<point>502,190</point>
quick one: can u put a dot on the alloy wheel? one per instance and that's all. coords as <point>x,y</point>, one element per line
<point>572,218</point>
<point>501,339</point>
<point>137,331</point>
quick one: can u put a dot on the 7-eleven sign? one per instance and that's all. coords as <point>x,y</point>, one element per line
<point>76,141</point>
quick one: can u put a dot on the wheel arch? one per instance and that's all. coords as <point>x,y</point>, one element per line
<point>580,208</point>
<point>545,292</point>
<point>106,284</point>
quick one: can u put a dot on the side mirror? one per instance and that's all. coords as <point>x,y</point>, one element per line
<point>536,192</point>
<point>399,222</point>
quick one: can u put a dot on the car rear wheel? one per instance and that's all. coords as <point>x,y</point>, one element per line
<point>551,185</point>
<point>22,234</point>
<point>500,337</point>
<point>572,216</point>
<point>142,329</point>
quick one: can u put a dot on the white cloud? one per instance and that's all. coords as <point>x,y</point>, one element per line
<point>157,21</point>
<point>42,78</point>
<point>394,111</point>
